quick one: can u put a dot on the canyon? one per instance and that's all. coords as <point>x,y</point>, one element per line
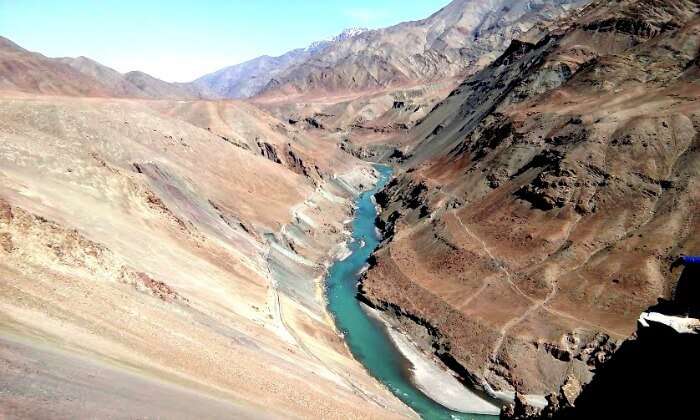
<point>169,249</point>
<point>542,203</point>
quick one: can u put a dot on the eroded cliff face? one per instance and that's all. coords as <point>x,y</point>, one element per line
<point>634,383</point>
<point>542,203</point>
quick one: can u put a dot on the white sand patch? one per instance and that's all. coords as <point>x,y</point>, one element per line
<point>534,400</point>
<point>342,252</point>
<point>435,381</point>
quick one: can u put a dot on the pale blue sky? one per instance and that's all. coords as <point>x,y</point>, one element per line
<point>179,40</point>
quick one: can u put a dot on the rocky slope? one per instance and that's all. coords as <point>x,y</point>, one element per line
<point>22,70</point>
<point>646,377</point>
<point>174,249</point>
<point>466,34</point>
<point>152,87</point>
<point>541,204</point>
<point>369,89</point>
<point>251,77</point>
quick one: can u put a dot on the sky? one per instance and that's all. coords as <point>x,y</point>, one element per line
<point>178,40</point>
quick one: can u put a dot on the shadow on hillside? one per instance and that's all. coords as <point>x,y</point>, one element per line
<point>654,376</point>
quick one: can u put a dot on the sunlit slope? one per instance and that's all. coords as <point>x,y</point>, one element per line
<point>544,200</point>
<point>135,240</point>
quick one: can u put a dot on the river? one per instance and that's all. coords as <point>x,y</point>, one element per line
<point>366,336</point>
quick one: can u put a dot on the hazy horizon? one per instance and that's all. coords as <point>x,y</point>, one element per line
<point>179,41</point>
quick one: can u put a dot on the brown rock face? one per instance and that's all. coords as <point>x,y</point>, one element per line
<point>557,404</point>
<point>519,410</point>
<point>570,391</point>
<point>559,185</point>
<point>6,242</point>
<point>5,212</point>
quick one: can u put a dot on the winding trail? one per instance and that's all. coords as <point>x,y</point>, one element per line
<point>509,278</point>
<point>287,333</point>
<point>279,314</point>
<point>535,304</point>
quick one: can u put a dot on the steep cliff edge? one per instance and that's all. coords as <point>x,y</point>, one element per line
<point>542,202</point>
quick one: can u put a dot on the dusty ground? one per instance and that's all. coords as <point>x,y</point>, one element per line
<point>141,240</point>
<point>40,381</point>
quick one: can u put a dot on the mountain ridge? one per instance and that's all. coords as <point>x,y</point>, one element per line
<point>28,71</point>
<point>247,79</point>
<point>437,47</point>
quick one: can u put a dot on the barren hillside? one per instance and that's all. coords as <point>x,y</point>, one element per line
<point>26,71</point>
<point>146,246</point>
<point>542,203</point>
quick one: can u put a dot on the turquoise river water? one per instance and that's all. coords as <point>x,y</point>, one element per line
<point>367,337</point>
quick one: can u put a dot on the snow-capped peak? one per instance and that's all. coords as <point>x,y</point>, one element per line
<point>345,35</point>
<point>349,33</point>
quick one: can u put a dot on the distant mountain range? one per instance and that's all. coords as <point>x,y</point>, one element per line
<point>251,77</point>
<point>32,72</point>
<point>460,38</point>
<point>464,35</point>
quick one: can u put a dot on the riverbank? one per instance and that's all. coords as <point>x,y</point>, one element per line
<point>299,258</point>
<point>431,377</point>
<point>365,335</point>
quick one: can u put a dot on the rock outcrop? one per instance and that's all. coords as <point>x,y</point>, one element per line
<point>559,184</point>
<point>646,378</point>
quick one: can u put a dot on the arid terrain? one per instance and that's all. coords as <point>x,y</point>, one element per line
<point>164,246</point>
<point>368,87</point>
<point>151,241</point>
<point>543,202</point>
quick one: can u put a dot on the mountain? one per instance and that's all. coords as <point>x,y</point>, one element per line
<point>367,90</point>
<point>546,164</point>
<point>169,247</point>
<point>117,84</point>
<point>250,78</point>
<point>166,247</point>
<point>539,207</point>
<point>156,88</point>
<point>465,34</point>
<point>247,79</point>
<point>32,72</point>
